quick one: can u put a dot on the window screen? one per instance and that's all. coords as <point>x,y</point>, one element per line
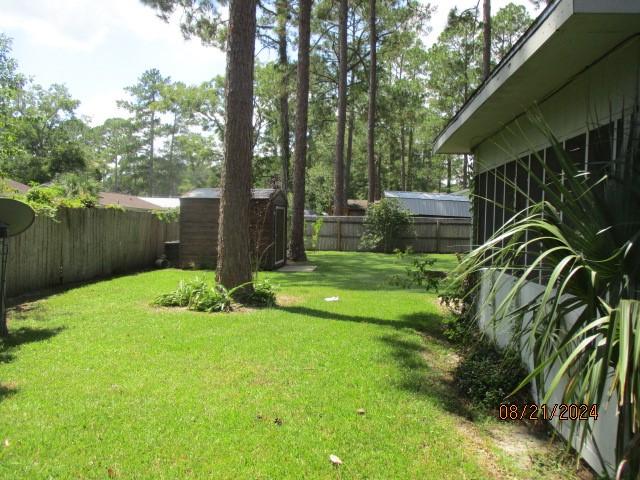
<point>620,137</point>
<point>509,189</point>
<point>537,177</point>
<point>522,191</point>
<point>522,182</point>
<point>480,189</point>
<point>553,177</point>
<point>575,148</point>
<point>489,223</point>
<point>600,154</point>
<point>499,198</point>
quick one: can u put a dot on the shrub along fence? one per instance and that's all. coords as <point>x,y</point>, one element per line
<point>83,244</point>
<point>426,235</point>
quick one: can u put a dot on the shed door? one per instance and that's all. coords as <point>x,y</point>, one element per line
<point>280,229</point>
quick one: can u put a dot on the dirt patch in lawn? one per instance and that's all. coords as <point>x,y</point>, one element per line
<point>288,300</point>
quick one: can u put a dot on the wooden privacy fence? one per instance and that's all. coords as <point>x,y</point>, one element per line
<point>427,235</point>
<point>83,244</point>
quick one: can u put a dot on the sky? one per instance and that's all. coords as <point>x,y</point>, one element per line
<point>97,47</point>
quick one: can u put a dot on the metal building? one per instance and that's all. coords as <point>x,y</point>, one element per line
<point>422,204</point>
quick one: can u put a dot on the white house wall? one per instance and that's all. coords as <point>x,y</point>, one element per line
<point>596,96</point>
<point>601,94</point>
<point>604,428</point>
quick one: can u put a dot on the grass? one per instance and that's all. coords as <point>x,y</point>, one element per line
<point>96,383</point>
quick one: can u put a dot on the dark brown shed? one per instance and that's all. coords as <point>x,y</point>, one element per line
<point>199,216</point>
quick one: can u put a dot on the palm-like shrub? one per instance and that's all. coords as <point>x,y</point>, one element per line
<point>584,237</point>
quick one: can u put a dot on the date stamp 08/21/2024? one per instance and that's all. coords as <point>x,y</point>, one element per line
<point>560,411</point>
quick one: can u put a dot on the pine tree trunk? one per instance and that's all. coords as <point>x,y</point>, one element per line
<point>339,200</point>
<point>283,62</point>
<point>371,117</point>
<point>296,249</point>
<point>151,148</point>
<point>403,164</point>
<point>117,186</point>
<point>410,160</point>
<point>172,180</point>
<point>486,36</point>
<point>378,184</point>
<point>465,171</point>
<point>234,260</point>
<point>347,168</point>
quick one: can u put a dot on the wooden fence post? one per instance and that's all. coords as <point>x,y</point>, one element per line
<point>339,226</point>
<point>438,236</point>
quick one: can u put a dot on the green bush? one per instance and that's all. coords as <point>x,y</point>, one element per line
<point>384,222</point>
<point>46,199</point>
<point>458,296</point>
<point>419,274</point>
<point>315,235</point>
<point>169,215</point>
<point>486,374</point>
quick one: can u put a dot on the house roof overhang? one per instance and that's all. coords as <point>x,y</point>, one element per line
<point>567,38</point>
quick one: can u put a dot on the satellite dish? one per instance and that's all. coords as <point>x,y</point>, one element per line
<point>15,216</point>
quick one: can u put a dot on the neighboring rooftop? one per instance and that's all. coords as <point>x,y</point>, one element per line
<point>567,38</point>
<point>433,204</point>
<point>17,186</point>
<point>163,202</point>
<point>257,193</point>
<point>130,202</point>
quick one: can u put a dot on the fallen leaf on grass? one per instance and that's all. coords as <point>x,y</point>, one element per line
<point>361,411</point>
<point>278,421</point>
<point>6,442</point>
<point>335,460</point>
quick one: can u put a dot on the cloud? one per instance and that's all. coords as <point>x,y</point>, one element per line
<point>43,32</point>
<point>101,106</point>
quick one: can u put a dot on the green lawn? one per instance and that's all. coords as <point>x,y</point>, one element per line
<point>96,383</point>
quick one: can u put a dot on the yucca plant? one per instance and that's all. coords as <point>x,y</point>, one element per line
<point>584,239</point>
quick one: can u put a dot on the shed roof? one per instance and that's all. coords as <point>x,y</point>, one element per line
<point>357,204</point>
<point>567,38</point>
<point>256,193</point>
<point>433,204</point>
